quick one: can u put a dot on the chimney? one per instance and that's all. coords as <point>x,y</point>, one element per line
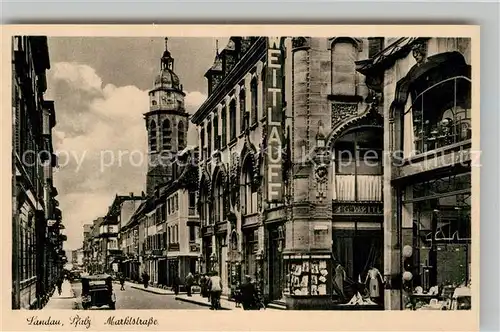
<point>143,194</point>
<point>131,194</point>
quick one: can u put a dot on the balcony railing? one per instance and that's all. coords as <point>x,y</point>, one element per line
<point>440,115</point>
<point>358,188</point>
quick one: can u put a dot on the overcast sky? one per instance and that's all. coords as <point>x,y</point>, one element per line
<point>100,88</point>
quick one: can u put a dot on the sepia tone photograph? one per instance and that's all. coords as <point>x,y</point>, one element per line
<point>242,173</point>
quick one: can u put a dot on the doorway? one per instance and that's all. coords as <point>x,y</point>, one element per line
<point>275,264</point>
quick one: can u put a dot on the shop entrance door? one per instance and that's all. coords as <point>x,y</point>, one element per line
<point>173,270</point>
<point>276,276</point>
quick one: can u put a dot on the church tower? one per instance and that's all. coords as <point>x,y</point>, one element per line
<point>166,123</point>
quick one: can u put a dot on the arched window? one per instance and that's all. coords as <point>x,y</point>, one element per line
<point>344,55</point>
<point>223,119</point>
<point>215,124</point>
<point>232,119</point>
<point>167,134</point>
<point>358,165</point>
<point>181,136</point>
<point>202,142</point>
<point>204,205</point>
<point>242,110</point>
<point>152,136</point>
<point>209,138</point>
<point>253,91</point>
<point>219,199</point>
<point>249,198</point>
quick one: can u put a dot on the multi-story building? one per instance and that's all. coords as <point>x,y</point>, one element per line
<point>293,185</point>
<point>120,211</point>
<point>86,246</point>
<point>239,186</point>
<point>37,255</point>
<point>167,222</point>
<point>426,88</point>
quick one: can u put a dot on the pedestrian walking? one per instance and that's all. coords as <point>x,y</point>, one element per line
<point>176,284</point>
<point>122,281</point>
<point>145,279</point>
<point>59,284</point>
<point>189,283</point>
<point>215,287</point>
<point>249,295</point>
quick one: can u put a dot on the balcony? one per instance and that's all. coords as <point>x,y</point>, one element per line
<point>367,188</point>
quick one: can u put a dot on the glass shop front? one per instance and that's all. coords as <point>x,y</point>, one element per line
<point>436,239</point>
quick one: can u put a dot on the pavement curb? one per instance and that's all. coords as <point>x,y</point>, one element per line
<point>149,290</point>
<point>182,299</point>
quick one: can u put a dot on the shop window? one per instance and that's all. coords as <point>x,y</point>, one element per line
<point>167,134</point>
<point>250,246</point>
<point>253,91</point>
<point>152,136</point>
<point>439,212</point>
<point>358,166</point>
<point>307,275</point>
<point>439,114</point>
<point>181,136</point>
<point>224,125</point>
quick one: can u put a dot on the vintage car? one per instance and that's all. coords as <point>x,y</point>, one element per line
<point>97,291</point>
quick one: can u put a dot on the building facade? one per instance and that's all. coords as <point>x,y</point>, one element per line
<point>293,179</point>
<point>427,179</point>
<point>241,198</point>
<point>37,255</point>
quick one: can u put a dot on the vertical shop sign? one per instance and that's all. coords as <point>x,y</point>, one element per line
<point>273,104</point>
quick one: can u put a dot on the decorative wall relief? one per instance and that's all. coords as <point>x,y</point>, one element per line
<point>342,111</point>
<point>321,180</point>
<point>300,42</point>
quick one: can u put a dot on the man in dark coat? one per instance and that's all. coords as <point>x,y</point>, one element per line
<point>248,294</point>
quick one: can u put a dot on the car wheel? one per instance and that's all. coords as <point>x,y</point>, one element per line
<point>112,306</point>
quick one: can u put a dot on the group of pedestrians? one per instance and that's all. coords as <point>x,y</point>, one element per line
<point>211,288</point>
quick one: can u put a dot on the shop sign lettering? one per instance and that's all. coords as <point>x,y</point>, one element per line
<point>364,209</point>
<point>273,103</point>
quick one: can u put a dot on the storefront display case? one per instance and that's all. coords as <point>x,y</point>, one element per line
<point>308,278</point>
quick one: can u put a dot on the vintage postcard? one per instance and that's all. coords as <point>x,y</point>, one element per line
<point>240,177</point>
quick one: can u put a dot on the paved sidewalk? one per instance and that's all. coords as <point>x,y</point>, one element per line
<point>150,289</point>
<point>66,300</point>
<point>224,302</point>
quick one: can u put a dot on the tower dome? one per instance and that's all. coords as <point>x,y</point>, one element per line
<point>167,79</point>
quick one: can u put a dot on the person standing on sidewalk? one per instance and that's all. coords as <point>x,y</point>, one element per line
<point>189,283</point>
<point>145,279</point>
<point>215,287</point>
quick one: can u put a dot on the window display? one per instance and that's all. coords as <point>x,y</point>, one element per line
<point>307,275</point>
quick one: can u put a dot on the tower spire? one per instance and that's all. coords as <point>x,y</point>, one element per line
<point>166,59</point>
<point>216,47</point>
